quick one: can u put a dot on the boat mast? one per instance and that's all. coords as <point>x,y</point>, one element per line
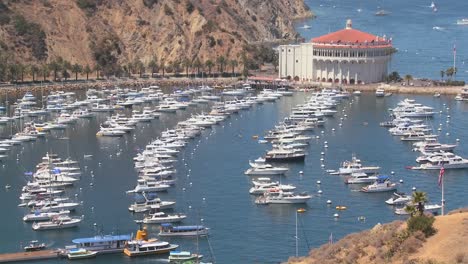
<point>297,239</point>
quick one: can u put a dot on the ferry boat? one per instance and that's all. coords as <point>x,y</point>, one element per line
<point>80,253</point>
<point>141,245</point>
<point>183,257</point>
<point>103,244</point>
<point>382,184</point>
<point>168,229</point>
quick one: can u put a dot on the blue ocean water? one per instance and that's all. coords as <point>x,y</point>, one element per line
<point>213,190</point>
<point>424,39</point>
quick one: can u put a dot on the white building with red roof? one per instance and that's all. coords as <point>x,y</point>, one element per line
<point>347,56</point>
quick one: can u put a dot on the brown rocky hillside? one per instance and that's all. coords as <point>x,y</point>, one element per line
<point>86,31</point>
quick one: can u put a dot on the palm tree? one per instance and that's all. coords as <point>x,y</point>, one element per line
<point>21,70</point>
<point>210,65</point>
<point>233,64</point>
<point>408,78</point>
<point>442,73</point>
<point>34,70</point>
<point>197,64</point>
<point>186,63</point>
<point>163,67</point>
<point>419,199</point>
<point>153,65</point>
<point>76,68</point>
<point>87,70</point>
<point>221,60</point>
<point>97,69</point>
<point>450,72</point>
<point>45,70</point>
<point>55,67</point>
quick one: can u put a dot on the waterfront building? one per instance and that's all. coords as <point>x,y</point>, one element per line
<point>347,56</point>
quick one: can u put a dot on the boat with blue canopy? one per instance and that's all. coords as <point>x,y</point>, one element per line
<point>168,229</point>
<point>103,243</point>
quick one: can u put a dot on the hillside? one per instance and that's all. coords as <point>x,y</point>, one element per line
<point>120,31</point>
<point>389,244</point>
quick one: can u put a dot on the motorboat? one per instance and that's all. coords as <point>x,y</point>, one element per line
<point>168,229</point>
<point>141,245</point>
<point>60,222</point>
<point>355,166</point>
<point>399,199</point>
<point>103,243</point>
<point>380,92</point>
<point>360,178</point>
<point>463,21</point>
<point>281,154</point>
<point>382,184</point>
<point>35,245</point>
<point>161,217</point>
<point>446,162</point>
<point>110,132</point>
<point>277,196</point>
<point>149,186</point>
<point>149,202</point>
<point>80,253</point>
<point>265,169</point>
<point>382,12</point>
<point>44,216</point>
<point>428,208</point>
<point>183,257</point>
<point>259,189</point>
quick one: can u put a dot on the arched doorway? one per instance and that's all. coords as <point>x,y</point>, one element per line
<point>318,79</point>
<point>352,81</point>
<point>337,80</point>
<point>296,78</point>
<point>330,80</point>
<point>324,80</point>
<point>344,81</point>
<point>359,81</point>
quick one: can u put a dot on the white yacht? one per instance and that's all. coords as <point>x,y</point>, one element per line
<point>264,169</point>
<point>382,184</point>
<point>149,186</point>
<point>43,216</point>
<point>60,222</point>
<point>360,178</point>
<point>380,92</point>
<point>110,132</point>
<point>447,162</point>
<point>428,208</point>
<point>355,166</point>
<point>277,196</point>
<point>282,154</point>
<point>161,217</point>
<point>399,199</point>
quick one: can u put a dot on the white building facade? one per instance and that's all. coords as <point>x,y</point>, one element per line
<point>347,56</point>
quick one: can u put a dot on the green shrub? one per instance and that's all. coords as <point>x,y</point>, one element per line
<point>150,3</point>
<point>421,223</point>
<point>189,7</point>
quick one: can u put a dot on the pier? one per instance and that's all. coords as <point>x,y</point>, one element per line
<point>30,256</point>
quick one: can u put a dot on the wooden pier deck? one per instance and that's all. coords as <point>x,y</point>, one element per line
<point>30,256</point>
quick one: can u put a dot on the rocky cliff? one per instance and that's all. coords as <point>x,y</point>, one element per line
<point>108,31</point>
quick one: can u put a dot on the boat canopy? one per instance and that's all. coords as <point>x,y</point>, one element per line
<point>182,228</point>
<point>98,239</point>
<point>382,178</point>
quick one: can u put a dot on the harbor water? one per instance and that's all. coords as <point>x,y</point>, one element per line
<point>213,190</point>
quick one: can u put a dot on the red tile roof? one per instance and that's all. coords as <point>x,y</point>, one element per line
<point>350,36</point>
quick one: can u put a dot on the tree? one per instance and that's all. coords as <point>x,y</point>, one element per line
<point>163,67</point>
<point>209,64</point>
<point>451,72</point>
<point>408,78</point>
<point>45,71</point>
<point>21,70</point>
<point>275,61</point>
<point>221,60</point>
<point>87,70</point>
<point>187,64</point>
<point>394,77</point>
<point>34,70</point>
<point>97,69</point>
<point>419,200</point>
<point>76,68</point>
<point>153,65</point>
<point>197,64</point>
<point>233,64</point>
<point>442,73</point>
<point>55,67</point>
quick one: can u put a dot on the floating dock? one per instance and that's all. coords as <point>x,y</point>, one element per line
<point>31,256</point>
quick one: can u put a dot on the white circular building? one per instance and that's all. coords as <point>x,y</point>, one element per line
<point>347,56</point>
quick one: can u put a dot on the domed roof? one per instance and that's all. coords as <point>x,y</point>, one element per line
<point>350,36</point>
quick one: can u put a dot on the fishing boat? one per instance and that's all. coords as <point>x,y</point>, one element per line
<point>183,257</point>
<point>35,245</point>
<point>168,229</point>
<point>141,245</point>
<point>161,217</point>
<point>399,199</point>
<point>382,184</point>
<point>103,243</point>
<point>80,253</point>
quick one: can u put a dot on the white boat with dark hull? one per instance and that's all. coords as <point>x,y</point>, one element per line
<point>281,154</point>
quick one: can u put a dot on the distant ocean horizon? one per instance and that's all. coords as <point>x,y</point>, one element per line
<point>425,39</point>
